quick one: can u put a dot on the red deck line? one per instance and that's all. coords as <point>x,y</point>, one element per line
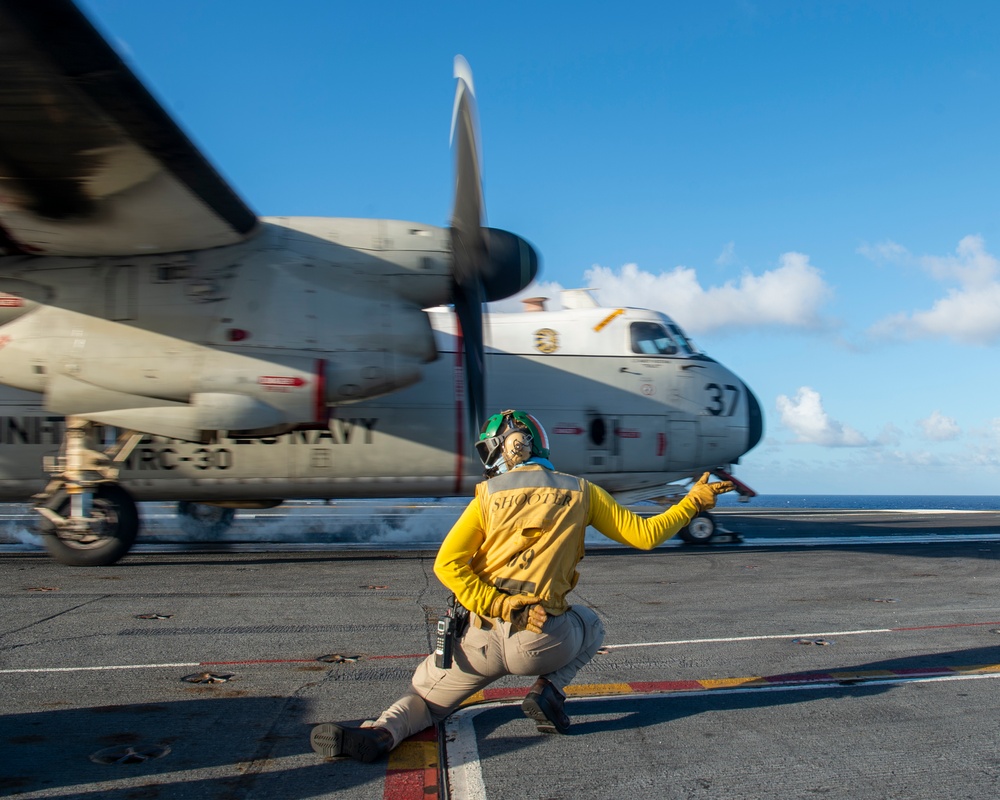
<point>257,661</point>
<point>799,677</point>
<point>504,693</point>
<point>418,779</point>
<point>664,686</point>
<point>953,625</point>
<point>406,655</point>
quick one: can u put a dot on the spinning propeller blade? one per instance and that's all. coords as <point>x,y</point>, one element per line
<point>488,264</point>
<point>469,247</point>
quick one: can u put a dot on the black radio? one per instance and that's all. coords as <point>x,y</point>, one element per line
<point>445,645</point>
<point>450,626</point>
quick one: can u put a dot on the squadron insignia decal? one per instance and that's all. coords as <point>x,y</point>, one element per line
<point>546,340</point>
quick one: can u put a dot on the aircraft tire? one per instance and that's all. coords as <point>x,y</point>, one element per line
<point>202,521</point>
<point>700,530</point>
<point>117,530</point>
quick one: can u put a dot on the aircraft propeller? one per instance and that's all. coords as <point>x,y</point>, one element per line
<point>489,264</point>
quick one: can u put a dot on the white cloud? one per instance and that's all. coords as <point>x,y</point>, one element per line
<point>727,256</point>
<point>985,451</point>
<point>969,314</point>
<point>885,252</point>
<point>966,316</point>
<point>910,460</point>
<point>971,265</point>
<point>994,429</point>
<point>804,416</point>
<point>890,436</point>
<point>939,428</point>
<point>790,295</point>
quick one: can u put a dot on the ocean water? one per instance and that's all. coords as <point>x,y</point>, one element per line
<point>893,502</point>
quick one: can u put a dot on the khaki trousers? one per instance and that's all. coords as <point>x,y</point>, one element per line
<point>482,655</point>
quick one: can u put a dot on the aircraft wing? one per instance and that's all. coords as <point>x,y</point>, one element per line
<point>90,163</point>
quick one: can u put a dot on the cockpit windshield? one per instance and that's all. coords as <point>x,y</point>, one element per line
<point>686,344</point>
<point>652,339</point>
<point>660,339</point>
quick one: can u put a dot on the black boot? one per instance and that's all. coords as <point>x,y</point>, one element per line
<point>544,704</point>
<point>362,744</point>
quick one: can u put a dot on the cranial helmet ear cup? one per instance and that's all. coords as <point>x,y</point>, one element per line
<point>516,448</point>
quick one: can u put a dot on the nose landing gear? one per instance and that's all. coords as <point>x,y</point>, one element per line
<point>700,530</point>
<point>703,529</point>
<point>87,518</point>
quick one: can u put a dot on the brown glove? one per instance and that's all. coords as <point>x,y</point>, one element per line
<point>535,618</point>
<point>703,493</point>
<point>522,611</point>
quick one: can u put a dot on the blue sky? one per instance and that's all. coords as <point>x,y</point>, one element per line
<point>809,188</point>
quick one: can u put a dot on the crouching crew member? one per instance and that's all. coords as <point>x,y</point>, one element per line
<point>511,560</point>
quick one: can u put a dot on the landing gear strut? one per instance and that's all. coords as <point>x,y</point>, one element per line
<point>87,518</point>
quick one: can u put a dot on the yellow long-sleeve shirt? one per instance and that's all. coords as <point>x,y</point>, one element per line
<point>523,532</point>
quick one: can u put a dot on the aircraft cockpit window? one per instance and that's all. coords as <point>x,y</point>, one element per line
<point>686,344</point>
<point>652,339</point>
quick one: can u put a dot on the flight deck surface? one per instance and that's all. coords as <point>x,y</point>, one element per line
<point>837,670</point>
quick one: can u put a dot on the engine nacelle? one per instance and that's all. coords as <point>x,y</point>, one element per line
<point>233,393</point>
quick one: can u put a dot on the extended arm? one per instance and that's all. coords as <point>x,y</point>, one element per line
<point>618,523</point>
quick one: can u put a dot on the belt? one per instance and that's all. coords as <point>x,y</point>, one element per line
<point>487,623</point>
<point>483,623</point>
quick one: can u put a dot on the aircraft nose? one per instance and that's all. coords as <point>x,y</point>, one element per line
<point>755,420</point>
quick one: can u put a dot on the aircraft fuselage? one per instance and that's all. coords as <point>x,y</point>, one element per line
<point>631,421</point>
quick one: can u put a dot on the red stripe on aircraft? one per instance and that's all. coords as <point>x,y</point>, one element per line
<point>319,393</point>
<point>281,381</point>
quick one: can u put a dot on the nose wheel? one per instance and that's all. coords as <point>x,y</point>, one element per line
<point>86,517</point>
<point>106,534</point>
<point>700,530</point>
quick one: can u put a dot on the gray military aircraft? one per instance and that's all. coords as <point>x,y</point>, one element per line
<point>161,341</point>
